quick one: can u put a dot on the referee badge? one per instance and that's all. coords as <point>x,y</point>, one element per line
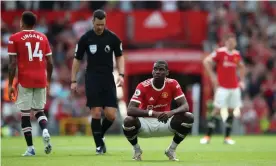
<point>107,49</point>
<point>93,48</point>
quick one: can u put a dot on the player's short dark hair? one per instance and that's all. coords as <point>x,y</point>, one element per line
<point>162,62</point>
<point>29,19</point>
<point>99,14</point>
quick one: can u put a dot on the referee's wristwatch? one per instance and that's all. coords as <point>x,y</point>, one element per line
<point>73,82</point>
<point>122,75</point>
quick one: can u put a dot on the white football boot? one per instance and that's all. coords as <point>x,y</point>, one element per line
<point>229,141</point>
<point>171,155</point>
<point>205,140</point>
<point>137,154</point>
<point>46,141</point>
<point>29,152</point>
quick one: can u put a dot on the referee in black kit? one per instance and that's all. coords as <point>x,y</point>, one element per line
<point>99,45</point>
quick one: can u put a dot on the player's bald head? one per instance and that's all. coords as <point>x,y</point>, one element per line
<point>161,62</point>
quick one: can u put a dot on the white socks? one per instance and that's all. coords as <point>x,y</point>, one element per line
<point>173,146</point>
<point>136,146</point>
<point>30,148</point>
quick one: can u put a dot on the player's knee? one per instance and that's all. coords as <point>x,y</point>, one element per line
<point>96,113</point>
<point>130,121</point>
<point>183,123</point>
<point>131,127</point>
<point>110,116</point>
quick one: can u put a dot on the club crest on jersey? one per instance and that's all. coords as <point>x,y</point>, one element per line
<point>93,48</point>
<point>107,49</point>
<point>164,95</point>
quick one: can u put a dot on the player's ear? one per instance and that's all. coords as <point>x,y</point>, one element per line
<point>168,72</point>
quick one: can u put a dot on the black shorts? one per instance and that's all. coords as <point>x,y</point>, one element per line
<point>100,90</point>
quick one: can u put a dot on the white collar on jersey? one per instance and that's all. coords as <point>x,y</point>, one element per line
<point>157,88</point>
<point>28,30</point>
<point>229,52</point>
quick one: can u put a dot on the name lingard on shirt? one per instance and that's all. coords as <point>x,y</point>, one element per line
<point>27,36</point>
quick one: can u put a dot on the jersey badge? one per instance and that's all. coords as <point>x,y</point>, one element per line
<point>107,49</point>
<point>164,95</point>
<point>93,48</point>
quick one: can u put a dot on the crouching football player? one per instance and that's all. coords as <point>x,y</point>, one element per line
<point>149,113</point>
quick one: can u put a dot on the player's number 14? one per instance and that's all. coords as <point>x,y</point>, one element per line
<point>36,53</point>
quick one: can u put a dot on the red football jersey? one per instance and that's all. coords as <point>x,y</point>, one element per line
<point>30,47</point>
<point>151,98</point>
<point>227,67</point>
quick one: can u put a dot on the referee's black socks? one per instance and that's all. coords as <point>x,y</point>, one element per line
<point>106,125</point>
<point>97,131</point>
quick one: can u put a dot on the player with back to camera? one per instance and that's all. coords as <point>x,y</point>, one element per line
<point>30,51</point>
<point>226,84</point>
<point>149,113</point>
<point>99,45</point>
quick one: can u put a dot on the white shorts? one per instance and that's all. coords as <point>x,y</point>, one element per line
<point>151,127</point>
<point>228,98</point>
<point>31,98</point>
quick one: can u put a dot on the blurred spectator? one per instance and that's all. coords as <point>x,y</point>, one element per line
<point>42,25</point>
<point>81,26</point>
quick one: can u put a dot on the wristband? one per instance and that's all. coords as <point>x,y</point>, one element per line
<point>150,112</point>
<point>122,75</point>
<point>73,81</point>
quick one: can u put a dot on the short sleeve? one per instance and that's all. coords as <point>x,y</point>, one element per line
<point>48,51</point>
<point>11,46</point>
<point>80,48</point>
<point>177,91</point>
<point>118,47</point>
<point>138,95</point>
<point>215,56</point>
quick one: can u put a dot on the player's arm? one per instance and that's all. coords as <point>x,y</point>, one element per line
<point>118,51</point>
<point>182,106</point>
<point>242,70</point>
<point>180,99</point>
<point>12,60</point>
<point>208,64</point>
<point>12,68</point>
<point>49,61</point>
<point>79,53</point>
<point>50,67</point>
<point>134,110</point>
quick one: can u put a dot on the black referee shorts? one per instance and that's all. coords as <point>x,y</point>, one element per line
<point>100,90</point>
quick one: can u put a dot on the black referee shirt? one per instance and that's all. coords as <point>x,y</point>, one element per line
<point>99,50</point>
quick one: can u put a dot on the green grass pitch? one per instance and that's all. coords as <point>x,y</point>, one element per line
<point>80,151</point>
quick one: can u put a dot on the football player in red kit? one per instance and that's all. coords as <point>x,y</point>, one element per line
<point>226,84</point>
<point>30,52</point>
<point>150,115</point>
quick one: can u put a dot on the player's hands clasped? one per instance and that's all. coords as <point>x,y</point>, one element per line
<point>11,93</point>
<point>162,116</point>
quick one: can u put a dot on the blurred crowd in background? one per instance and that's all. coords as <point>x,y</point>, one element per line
<point>254,24</point>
